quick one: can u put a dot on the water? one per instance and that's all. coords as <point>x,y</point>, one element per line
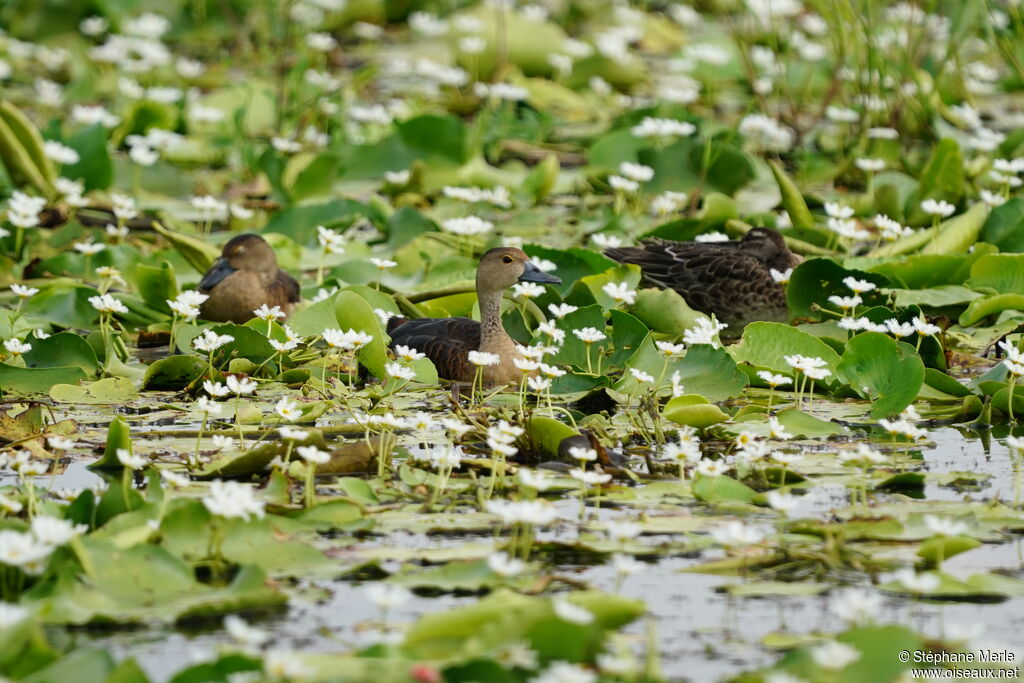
<point>702,633</point>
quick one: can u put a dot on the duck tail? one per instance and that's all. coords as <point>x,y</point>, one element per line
<point>395,323</point>
<point>626,254</point>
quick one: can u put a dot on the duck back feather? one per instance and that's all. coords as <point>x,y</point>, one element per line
<point>445,341</point>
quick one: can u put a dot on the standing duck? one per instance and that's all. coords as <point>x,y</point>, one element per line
<point>732,280</point>
<point>244,278</point>
<point>448,341</point>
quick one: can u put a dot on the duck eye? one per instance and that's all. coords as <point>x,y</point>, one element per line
<point>506,259</point>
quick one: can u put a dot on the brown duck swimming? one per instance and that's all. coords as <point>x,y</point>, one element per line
<point>244,278</point>
<point>730,279</point>
<point>448,341</point>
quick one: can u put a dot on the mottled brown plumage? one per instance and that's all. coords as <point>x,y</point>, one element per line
<point>244,278</point>
<point>730,279</point>
<point>448,341</point>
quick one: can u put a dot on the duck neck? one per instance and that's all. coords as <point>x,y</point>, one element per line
<point>493,337</point>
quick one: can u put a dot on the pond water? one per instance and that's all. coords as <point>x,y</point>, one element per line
<point>701,633</point>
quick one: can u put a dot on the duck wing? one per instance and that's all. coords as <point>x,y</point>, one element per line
<point>445,341</point>
<point>717,278</point>
<point>284,287</point>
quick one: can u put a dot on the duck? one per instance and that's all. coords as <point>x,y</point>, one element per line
<point>448,341</point>
<point>731,280</point>
<point>245,277</point>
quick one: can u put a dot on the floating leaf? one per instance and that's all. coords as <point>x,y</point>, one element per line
<point>886,372</point>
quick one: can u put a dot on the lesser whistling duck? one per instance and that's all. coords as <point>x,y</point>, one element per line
<point>244,278</point>
<point>448,341</point>
<point>730,279</point>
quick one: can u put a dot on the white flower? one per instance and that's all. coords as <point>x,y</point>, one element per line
<point>283,347</point>
<point>399,371</point>
<point>528,290</point>
<point>845,302</point>
<point>501,91</point>
<point>55,532</point>
<point>535,512</point>
<point>240,630</point>
<point>89,247</point>
<point>589,478</point>
<point>623,531</point>
<point>383,263</point>
<point>944,526</point>
<point>712,468</point>
<point>292,434</point>
<point>937,207</point>
<point>773,380</point>
<point>620,183</point>
<point>210,341</point>
<point>870,165</point>
<point>215,389</point>
<point>287,409</point>
<point>582,453</point>
<point>174,479</point>
<point>483,358</point>
<point>781,501</point>
<point>183,309</point>
<point>407,353</point>
<point>857,606</point>
<point>232,499</point>
<point>637,172</point>
<point>60,153</point>
<point>836,210</point>
<point>567,611</point>
<point>641,376</point>
<point>834,655</point>
<point>60,443</point>
<point>313,455</point>
<point>703,332</point>
<point>737,534</point>
<point>565,672</point>
<point>12,615</point>
<point>650,127</point>
<point>241,386</point>
<point>107,304</point>
<point>859,286</point>
<point>605,240</point>
<point>561,310</point>
<point>783,276</point>
<point>534,479</point>
<point>22,550</point>
<point>626,564</point>
<point>268,313</point>
<point>503,565</point>
<point>387,596</point>
<point>917,583</point>
<point>620,292</point>
<point>134,462</point>
<point>397,178</point>
<point>589,335</point>
<point>16,347</point>
<point>898,329</point>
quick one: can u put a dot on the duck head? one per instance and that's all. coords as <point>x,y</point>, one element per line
<point>503,267</point>
<point>243,252</point>
<point>770,247</point>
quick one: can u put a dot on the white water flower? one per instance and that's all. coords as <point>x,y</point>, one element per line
<point>241,386</point>
<point>737,534</point>
<point>55,532</point>
<point>105,303</point>
<point>944,526</point>
<point>134,462</point>
<point>483,358</point>
<point>387,596</point>
<point>834,655</point>
<point>939,208</point>
<point>620,292</point>
<point>233,500</point>
<point>503,565</point>
<point>573,613</point>
<point>210,341</point>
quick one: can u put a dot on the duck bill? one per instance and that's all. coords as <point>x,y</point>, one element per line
<point>217,272</point>
<point>531,273</point>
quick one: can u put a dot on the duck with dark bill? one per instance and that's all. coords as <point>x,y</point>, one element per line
<point>245,277</point>
<point>448,341</point>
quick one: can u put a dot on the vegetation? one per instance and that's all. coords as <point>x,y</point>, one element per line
<point>308,504</point>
